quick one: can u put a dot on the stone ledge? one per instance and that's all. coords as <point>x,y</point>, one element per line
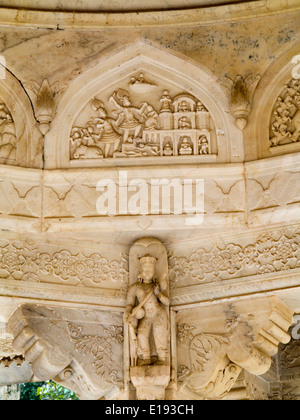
<point>71,20</point>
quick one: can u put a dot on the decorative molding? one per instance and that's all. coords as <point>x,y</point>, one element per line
<point>44,102</point>
<point>271,252</point>
<point>26,261</point>
<point>94,21</point>
<point>8,361</point>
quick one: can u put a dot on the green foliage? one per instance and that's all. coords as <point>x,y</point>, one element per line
<point>46,391</point>
<point>28,390</point>
<point>52,391</point>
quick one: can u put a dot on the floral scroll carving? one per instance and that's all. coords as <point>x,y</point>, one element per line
<point>270,253</point>
<point>101,348</point>
<point>27,262</point>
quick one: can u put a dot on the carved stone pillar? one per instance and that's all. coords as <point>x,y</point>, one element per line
<point>216,342</point>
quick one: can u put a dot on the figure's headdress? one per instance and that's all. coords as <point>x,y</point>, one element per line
<point>148,259</point>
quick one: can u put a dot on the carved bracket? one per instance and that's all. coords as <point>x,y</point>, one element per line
<point>215,343</point>
<point>78,349</point>
<point>241,94</point>
<point>45,102</point>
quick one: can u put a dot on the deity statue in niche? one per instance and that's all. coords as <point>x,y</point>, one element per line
<point>147,316</point>
<point>203,145</point>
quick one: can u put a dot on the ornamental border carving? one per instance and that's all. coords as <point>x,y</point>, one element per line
<point>270,253</point>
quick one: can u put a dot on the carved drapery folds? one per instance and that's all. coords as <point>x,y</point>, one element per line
<point>215,343</point>
<point>133,123</point>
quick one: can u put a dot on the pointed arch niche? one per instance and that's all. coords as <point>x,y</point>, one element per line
<point>177,113</point>
<point>21,142</point>
<point>275,110</point>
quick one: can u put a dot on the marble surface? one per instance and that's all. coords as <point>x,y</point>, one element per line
<point>113,5</point>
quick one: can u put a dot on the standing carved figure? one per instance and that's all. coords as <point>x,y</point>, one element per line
<point>148,318</point>
<point>147,314</point>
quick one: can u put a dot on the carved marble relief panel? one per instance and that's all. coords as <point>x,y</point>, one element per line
<point>21,142</point>
<point>33,262</point>
<point>8,140</point>
<point>285,119</point>
<point>142,118</point>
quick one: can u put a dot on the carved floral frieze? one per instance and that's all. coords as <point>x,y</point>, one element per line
<point>270,253</point>
<point>27,262</point>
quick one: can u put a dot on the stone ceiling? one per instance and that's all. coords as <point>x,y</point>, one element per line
<point>113,5</point>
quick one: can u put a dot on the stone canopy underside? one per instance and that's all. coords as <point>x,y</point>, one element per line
<point>150,189</point>
<point>113,5</point>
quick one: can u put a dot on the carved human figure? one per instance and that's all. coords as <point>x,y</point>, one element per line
<point>147,316</point>
<point>165,102</point>
<point>203,145</point>
<point>105,127</point>
<point>130,119</point>
<point>7,134</point>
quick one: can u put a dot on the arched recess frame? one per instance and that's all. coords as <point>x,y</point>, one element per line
<point>141,56</point>
<point>29,140</point>
<point>269,88</point>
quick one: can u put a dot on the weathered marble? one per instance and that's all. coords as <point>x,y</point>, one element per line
<point>149,211</point>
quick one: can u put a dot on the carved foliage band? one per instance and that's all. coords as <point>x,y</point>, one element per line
<point>27,262</point>
<point>272,252</point>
